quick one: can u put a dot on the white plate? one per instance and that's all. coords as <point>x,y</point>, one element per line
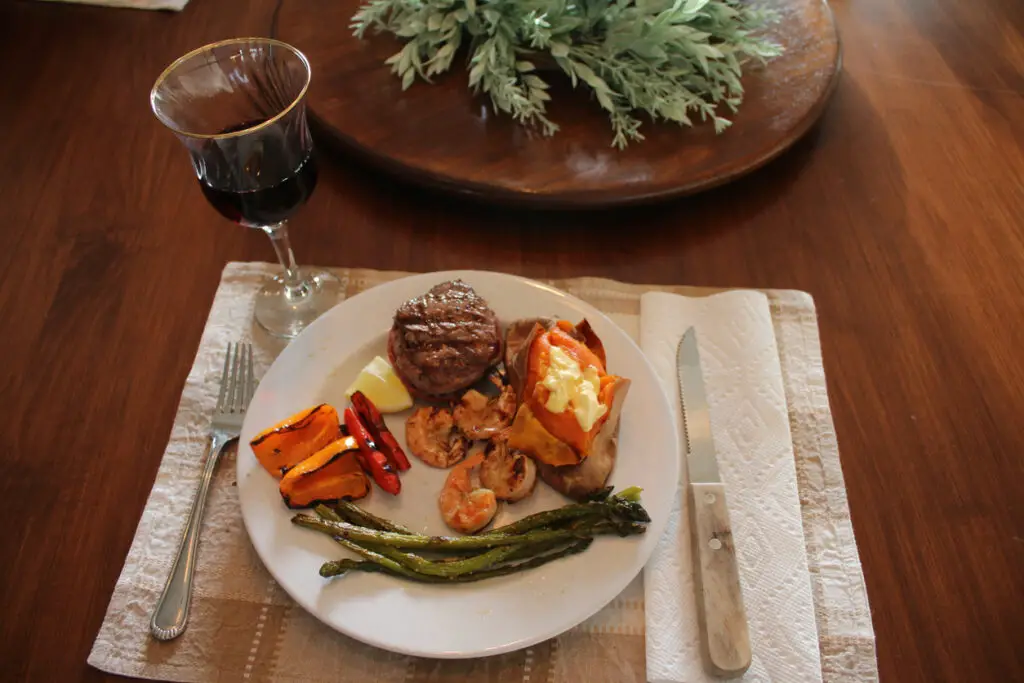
<point>468,620</point>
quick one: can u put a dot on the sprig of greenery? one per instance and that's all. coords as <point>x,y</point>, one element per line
<point>670,59</point>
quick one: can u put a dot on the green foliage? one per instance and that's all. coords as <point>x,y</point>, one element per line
<point>671,59</point>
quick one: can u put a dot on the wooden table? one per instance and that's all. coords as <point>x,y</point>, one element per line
<point>902,213</point>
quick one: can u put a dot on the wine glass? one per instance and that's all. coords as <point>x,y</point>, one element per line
<point>239,108</point>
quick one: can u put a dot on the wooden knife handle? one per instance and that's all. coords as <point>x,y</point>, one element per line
<point>723,618</point>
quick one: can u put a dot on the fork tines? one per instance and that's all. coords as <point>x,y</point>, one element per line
<point>238,381</point>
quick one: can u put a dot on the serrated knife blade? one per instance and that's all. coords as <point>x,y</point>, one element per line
<point>725,639</point>
<point>701,459</point>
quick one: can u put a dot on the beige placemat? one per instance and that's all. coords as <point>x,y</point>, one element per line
<point>244,627</point>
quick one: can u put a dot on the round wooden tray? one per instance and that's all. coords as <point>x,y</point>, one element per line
<point>440,134</point>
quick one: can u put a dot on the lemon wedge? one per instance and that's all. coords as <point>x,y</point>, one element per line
<point>381,385</point>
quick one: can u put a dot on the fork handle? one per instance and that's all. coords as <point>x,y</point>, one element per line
<point>171,613</point>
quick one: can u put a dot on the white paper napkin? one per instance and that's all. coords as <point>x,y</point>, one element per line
<point>750,424</point>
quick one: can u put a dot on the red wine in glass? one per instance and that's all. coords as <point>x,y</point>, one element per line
<point>289,186</point>
<point>239,108</point>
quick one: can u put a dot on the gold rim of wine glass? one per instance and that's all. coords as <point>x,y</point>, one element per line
<point>220,43</point>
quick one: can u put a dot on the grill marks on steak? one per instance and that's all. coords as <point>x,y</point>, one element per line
<point>445,340</point>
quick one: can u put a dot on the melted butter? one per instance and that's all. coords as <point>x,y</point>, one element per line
<point>573,387</point>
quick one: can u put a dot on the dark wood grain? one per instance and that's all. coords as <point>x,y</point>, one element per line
<point>901,212</point>
<point>444,136</point>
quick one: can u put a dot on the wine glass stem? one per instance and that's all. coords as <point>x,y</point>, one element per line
<point>294,285</point>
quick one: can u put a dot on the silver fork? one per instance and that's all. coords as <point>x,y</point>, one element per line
<point>237,384</point>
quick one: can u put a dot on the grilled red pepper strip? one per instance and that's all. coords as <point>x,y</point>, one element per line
<point>373,460</point>
<point>374,422</point>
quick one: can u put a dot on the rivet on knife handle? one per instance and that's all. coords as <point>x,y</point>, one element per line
<point>726,647</point>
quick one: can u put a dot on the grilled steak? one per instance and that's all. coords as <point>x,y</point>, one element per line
<point>444,341</point>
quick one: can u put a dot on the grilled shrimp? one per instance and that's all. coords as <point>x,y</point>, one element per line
<point>511,474</point>
<point>480,417</point>
<point>465,506</point>
<point>433,437</point>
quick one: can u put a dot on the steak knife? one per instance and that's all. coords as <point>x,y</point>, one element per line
<point>725,639</point>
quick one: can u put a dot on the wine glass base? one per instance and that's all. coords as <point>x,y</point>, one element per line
<point>283,315</point>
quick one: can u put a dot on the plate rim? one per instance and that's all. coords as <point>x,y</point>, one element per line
<point>656,527</point>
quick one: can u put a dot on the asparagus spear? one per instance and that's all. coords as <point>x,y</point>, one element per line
<point>625,503</point>
<point>339,567</point>
<point>425,566</point>
<point>526,550</point>
<point>535,528</point>
<point>530,542</point>
<point>328,513</point>
<point>549,518</point>
<point>419,541</point>
<point>466,565</point>
<point>617,526</point>
<point>630,510</point>
<point>333,514</point>
<point>446,569</point>
<point>373,557</point>
<point>611,507</point>
<point>394,568</point>
<point>361,517</point>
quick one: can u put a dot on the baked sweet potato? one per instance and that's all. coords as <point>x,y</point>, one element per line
<point>291,441</point>
<point>518,333</point>
<point>527,434</point>
<point>518,338</point>
<point>557,440</point>
<point>585,333</point>
<point>331,474</point>
<point>589,476</point>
